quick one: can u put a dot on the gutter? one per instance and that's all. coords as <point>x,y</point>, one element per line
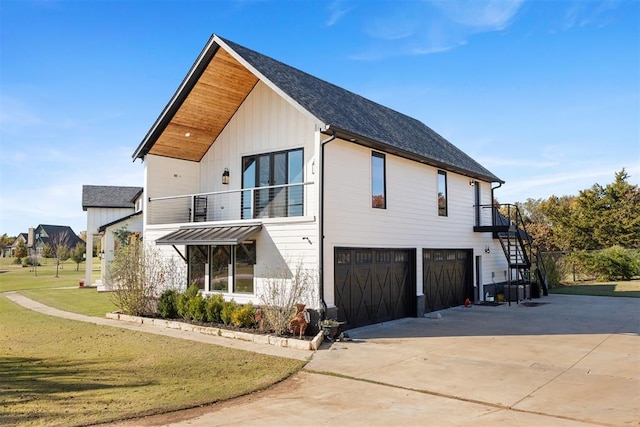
<point>321,214</point>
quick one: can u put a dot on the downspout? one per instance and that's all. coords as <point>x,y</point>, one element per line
<point>494,188</point>
<point>321,226</point>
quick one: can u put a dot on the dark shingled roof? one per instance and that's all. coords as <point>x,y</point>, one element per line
<point>60,234</point>
<point>353,114</point>
<point>103,196</point>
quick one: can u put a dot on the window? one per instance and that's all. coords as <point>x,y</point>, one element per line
<point>219,268</point>
<point>442,193</point>
<point>197,256</point>
<point>245,259</point>
<point>273,170</point>
<point>230,267</point>
<point>378,184</point>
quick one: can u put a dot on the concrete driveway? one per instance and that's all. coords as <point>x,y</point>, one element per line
<point>561,361</point>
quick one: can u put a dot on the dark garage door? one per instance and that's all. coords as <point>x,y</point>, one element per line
<point>374,285</point>
<point>447,277</point>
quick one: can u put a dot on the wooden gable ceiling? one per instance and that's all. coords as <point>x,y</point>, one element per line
<point>206,110</point>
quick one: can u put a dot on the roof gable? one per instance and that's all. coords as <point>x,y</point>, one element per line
<point>59,233</point>
<point>105,196</point>
<point>218,78</point>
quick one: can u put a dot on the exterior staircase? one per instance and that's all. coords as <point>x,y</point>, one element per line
<point>523,255</point>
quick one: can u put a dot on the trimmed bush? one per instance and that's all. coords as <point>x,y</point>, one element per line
<point>244,316</point>
<point>17,261</point>
<point>168,304</point>
<point>213,308</point>
<point>196,307</point>
<point>226,314</point>
<point>183,301</point>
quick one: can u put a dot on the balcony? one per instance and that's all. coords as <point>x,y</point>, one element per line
<point>276,201</point>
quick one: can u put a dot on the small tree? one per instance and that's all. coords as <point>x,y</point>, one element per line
<point>78,253</point>
<point>47,252</point>
<point>21,249</point>
<point>60,248</point>
<point>282,290</point>
<point>139,274</point>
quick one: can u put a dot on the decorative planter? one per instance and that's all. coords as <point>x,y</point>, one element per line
<point>332,331</point>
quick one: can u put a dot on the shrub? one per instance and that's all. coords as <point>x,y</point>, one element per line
<point>244,316</point>
<point>213,308</point>
<point>226,314</point>
<point>196,307</point>
<point>138,274</point>
<point>282,290</point>
<point>168,304</point>
<point>182,304</point>
<point>17,261</point>
<point>614,263</point>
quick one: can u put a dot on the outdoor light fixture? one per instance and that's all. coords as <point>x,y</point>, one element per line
<point>487,250</point>
<point>225,176</point>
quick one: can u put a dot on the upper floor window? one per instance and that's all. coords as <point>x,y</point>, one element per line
<point>378,182</point>
<point>276,171</point>
<point>442,193</point>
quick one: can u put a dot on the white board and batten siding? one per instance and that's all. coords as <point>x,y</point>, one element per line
<point>410,219</point>
<point>264,123</point>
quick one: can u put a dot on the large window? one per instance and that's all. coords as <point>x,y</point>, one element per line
<point>442,193</point>
<point>273,170</point>
<point>378,184</point>
<point>223,268</point>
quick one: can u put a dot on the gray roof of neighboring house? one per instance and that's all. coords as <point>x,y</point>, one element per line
<point>59,234</point>
<point>353,114</point>
<point>106,196</point>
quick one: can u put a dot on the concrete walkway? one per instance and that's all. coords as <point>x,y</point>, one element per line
<point>562,361</point>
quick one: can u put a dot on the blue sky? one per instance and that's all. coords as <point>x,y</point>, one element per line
<point>545,94</point>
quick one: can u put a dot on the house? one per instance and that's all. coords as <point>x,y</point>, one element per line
<point>109,209</point>
<point>22,237</point>
<point>254,164</point>
<point>53,236</point>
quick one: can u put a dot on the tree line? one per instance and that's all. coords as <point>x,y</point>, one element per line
<point>600,227</point>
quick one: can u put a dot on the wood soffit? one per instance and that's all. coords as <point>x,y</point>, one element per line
<point>207,109</point>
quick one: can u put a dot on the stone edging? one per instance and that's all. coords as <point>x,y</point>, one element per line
<point>312,345</point>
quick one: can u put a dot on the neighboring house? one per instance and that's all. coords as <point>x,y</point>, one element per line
<point>109,208</point>
<point>54,235</point>
<point>22,237</point>
<point>254,164</point>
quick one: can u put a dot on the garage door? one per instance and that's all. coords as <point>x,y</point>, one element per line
<point>447,278</point>
<point>374,285</point>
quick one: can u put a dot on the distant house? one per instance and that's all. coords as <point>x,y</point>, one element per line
<point>54,235</point>
<point>109,208</point>
<point>10,250</point>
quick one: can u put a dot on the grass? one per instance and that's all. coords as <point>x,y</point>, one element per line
<point>85,301</point>
<point>604,289</point>
<point>17,278</point>
<point>60,372</point>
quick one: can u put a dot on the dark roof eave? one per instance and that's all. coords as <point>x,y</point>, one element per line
<point>105,226</point>
<point>368,142</point>
<point>188,83</point>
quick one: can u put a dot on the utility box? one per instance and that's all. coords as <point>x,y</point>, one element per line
<point>514,292</point>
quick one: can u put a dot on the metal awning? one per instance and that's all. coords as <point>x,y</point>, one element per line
<point>221,235</point>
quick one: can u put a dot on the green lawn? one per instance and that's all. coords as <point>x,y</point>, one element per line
<point>605,289</point>
<point>60,372</point>
<point>17,278</point>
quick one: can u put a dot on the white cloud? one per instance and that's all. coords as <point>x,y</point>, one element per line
<point>488,15</point>
<point>337,11</point>
<point>423,28</point>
